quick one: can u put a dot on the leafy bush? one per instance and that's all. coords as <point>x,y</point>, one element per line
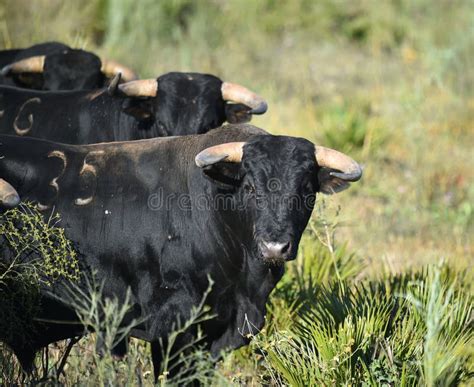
<point>23,233</point>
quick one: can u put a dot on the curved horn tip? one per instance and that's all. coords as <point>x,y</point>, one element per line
<point>349,169</point>
<point>260,109</point>
<point>231,152</point>
<point>5,70</point>
<point>33,64</point>
<point>239,94</point>
<point>9,197</point>
<point>202,159</point>
<point>10,201</point>
<point>353,176</point>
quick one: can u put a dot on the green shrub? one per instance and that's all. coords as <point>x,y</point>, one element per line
<point>378,333</point>
<point>24,232</point>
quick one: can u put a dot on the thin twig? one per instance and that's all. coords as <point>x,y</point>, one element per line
<point>62,364</point>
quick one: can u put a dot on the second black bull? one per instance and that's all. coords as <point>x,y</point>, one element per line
<point>55,66</point>
<point>248,198</point>
<point>174,104</point>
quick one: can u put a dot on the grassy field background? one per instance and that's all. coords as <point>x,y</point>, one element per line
<point>381,293</point>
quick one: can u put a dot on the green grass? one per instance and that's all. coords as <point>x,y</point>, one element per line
<point>367,302</point>
<point>378,333</point>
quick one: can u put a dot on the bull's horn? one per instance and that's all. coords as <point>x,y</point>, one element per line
<point>330,158</point>
<point>239,94</point>
<point>34,64</point>
<point>111,68</point>
<point>230,152</point>
<point>9,198</point>
<point>140,88</point>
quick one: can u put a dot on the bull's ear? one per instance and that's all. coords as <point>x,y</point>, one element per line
<point>224,175</point>
<point>330,184</point>
<point>140,109</point>
<point>112,88</point>
<point>237,113</point>
<point>29,80</point>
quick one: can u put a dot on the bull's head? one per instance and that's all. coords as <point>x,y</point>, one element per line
<point>189,103</point>
<point>277,178</point>
<point>68,69</point>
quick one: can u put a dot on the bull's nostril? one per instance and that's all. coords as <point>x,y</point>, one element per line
<point>286,248</point>
<point>274,249</point>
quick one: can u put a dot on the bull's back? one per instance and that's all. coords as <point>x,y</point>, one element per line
<point>105,193</point>
<point>51,116</point>
<point>8,56</point>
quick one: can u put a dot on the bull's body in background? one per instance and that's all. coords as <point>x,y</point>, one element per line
<point>173,104</point>
<point>56,66</point>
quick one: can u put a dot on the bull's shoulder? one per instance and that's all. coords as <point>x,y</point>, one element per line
<point>41,49</point>
<point>237,132</point>
<point>34,166</point>
<point>34,146</point>
<point>19,156</point>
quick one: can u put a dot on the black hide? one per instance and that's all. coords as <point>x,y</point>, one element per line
<point>64,68</point>
<point>187,103</point>
<point>145,217</point>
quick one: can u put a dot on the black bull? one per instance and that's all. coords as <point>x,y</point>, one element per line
<point>121,205</point>
<point>173,104</point>
<point>55,66</point>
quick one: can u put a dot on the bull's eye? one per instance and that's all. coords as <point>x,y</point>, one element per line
<point>249,188</point>
<point>308,186</point>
